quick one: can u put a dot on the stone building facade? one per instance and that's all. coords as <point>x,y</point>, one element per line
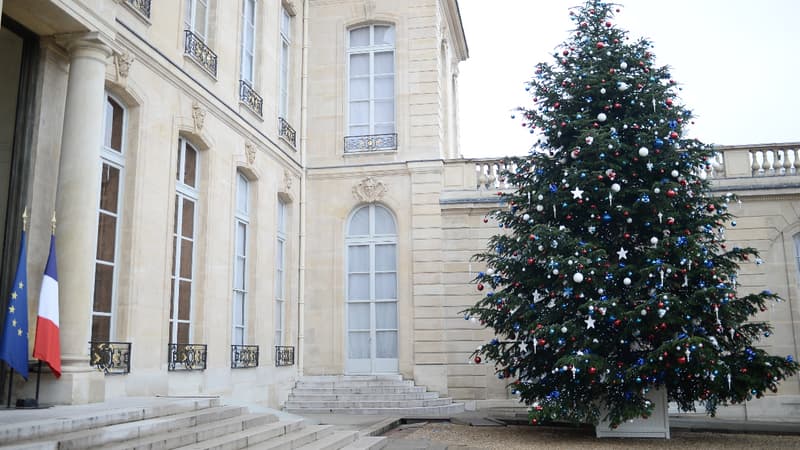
<point>251,191</point>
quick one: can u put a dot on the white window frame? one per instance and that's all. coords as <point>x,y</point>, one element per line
<point>241,220</point>
<point>797,253</point>
<point>285,63</point>
<point>190,20</point>
<point>115,159</point>
<point>248,27</point>
<point>372,49</point>
<point>280,273</point>
<point>184,191</point>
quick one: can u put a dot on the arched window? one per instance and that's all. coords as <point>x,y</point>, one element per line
<point>183,243</point>
<point>112,161</point>
<point>370,63</point>
<point>371,291</point>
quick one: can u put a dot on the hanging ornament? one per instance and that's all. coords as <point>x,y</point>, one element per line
<point>578,277</point>
<point>576,193</point>
<point>589,322</point>
<point>643,152</point>
<point>602,117</point>
<point>626,281</point>
<point>623,65</point>
<point>622,253</point>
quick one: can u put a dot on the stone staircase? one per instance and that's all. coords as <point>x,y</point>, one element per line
<point>177,424</point>
<point>387,395</point>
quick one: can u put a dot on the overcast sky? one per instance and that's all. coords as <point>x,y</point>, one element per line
<point>738,62</point>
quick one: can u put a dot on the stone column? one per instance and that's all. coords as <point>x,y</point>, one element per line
<point>76,210</point>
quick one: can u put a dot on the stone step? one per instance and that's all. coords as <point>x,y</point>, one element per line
<point>84,417</point>
<point>358,403</point>
<point>430,412</point>
<point>296,439</point>
<point>302,396</point>
<point>367,443</point>
<point>333,378</point>
<point>301,383</point>
<point>330,390</point>
<point>249,437</point>
<point>107,435</point>
<point>199,433</point>
<point>334,441</point>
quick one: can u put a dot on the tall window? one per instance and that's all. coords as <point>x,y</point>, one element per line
<point>241,222</point>
<point>371,80</point>
<point>286,43</point>
<point>195,18</point>
<point>280,275</point>
<point>183,240</point>
<point>108,215</point>
<point>248,40</point>
<point>797,252</point>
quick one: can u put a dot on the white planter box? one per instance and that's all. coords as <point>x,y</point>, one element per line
<point>656,426</point>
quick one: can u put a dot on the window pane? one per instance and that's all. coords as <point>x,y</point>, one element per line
<point>109,188</point>
<point>386,285</point>
<point>174,254</point>
<point>113,132</point>
<point>384,111</point>
<point>279,284</point>
<point>103,288</point>
<point>385,258</point>
<point>172,298</point>
<point>101,328</point>
<point>359,130</point>
<point>242,194</point>
<point>384,128</point>
<point>359,223</point>
<point>281,216</point>
<point>190,167</point>
<point>238,308</point>
<point>386,315</point>
<point>358,345</point>
<point>201,10</point>
<point>183,333</point>
<point>186,259</point>
<point>106,237</point>
<point>384,87</point>
<point>247,67</point>
<point>358,258</point>
<point>384,35</point>
<point>241,238</point>
<point>358,287</point>
<point>359,112</point>
<point>279,315</point>
<point>384,222</point>
<point>359,64</point>
<point>238,336</point>
<point>187,226</point>
<point>286,23</point>
<point>358,316</point>
<point>238,273</point>
<point>359,37</point>
<point>384,63</point>
<point>386,344</point>
<point>184,300</point>
<point>359,88</point>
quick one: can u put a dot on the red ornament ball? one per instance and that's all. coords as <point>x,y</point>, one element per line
<point>671,193</point>
<point>600,45</point>
<point>480,286</point>
<point>477,360</point>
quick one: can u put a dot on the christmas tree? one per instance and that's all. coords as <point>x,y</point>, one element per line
<point>611,275</point>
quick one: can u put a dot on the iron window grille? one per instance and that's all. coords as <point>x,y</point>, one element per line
<point>110,357</point>
<point>186,357</point>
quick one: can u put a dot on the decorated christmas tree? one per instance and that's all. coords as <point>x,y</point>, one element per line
<point>611,275</point>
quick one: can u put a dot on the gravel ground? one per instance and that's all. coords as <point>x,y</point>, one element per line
<point>551,438</point>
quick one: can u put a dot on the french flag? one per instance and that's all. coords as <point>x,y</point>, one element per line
<point>47,346</point>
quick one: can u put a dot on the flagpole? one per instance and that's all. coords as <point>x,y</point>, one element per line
<point>10,385</point>
<point>39,366</point>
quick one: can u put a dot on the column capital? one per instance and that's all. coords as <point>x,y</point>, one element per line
<point>92,44</point>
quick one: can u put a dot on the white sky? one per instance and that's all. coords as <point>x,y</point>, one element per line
<point>738,62</point>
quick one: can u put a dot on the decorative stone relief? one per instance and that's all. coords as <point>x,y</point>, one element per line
<point>250,152</point>
<point>199,115</point>
<point>369,8</point>
<point>369,190</point>
<point>123,63</point>
<point>287,181</point>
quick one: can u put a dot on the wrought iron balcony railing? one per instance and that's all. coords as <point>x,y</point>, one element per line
<point>287,132</point>
<point>140,6</point>
<point>243,356</point>
<point>186,357</point>
<point>284,356</point>
<point>250,97</point>
<point>200,52</point>
<point>110,357</point>
<point>370,143</point>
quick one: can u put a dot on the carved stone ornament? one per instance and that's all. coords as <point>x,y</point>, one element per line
<point>369,190</point>
<point>369,8</point>
<point>123,62</point>
<point>250,152</point>
<point>287,181</point>
<point>199,116</point>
